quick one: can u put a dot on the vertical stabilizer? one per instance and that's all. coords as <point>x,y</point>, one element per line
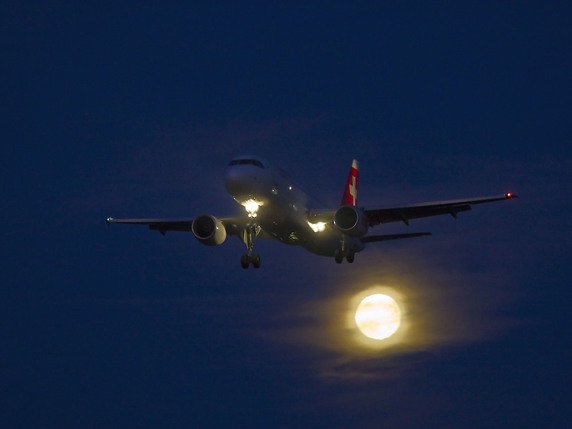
<point>350,192</point>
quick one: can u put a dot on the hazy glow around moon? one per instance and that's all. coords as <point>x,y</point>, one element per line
<point>378,316</point>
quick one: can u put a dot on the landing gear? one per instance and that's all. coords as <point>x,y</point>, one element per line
<point>249,233</point>
<point>344,252</point>
<point>246,260</point>
<point>255,259</point>
<point>339,257</point>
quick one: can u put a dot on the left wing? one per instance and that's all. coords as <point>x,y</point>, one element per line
<point>161,225</point>
<point>233,226</point>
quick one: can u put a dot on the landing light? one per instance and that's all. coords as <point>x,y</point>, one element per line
<point>317,227</point>
<point>251,207</point>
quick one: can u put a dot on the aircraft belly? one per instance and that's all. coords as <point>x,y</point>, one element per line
<point>283,218</point>
<point>290,231</point>
<point>324,244</point>
<point>282,228</point>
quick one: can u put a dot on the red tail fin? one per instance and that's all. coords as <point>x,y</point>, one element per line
<point>350,192</point>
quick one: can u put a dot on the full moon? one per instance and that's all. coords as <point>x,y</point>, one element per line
<point>378,316</point>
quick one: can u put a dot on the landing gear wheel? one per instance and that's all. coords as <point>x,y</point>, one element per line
<point>350,257</point>
<point>244,261</point>
<point>248,235</point>
<point>338,257</point>
<point>255,259</point>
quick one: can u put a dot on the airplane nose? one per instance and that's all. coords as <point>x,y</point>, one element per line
<point>229,179</point>
<point>234,182</point>
<point>244,182</point>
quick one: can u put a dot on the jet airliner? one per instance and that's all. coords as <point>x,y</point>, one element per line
<point>276,208</point>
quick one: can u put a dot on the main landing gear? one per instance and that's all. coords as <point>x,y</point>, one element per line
<point>339,257</point>
<point>344,252</point>
<point>250,232</point>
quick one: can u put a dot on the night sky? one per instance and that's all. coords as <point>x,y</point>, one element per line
<point>134,110</point>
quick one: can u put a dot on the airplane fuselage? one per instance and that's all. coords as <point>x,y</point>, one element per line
<point>280,207</point>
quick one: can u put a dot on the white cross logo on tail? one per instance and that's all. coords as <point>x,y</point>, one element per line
<point>353,190</point>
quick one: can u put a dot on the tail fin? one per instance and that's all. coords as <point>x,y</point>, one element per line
<point>350,192</point>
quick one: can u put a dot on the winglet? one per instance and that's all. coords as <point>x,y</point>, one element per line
<point>350,191</point>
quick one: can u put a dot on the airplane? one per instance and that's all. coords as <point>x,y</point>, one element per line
<point>278,209</point>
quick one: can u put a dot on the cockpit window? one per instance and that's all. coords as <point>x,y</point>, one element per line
<point>255,162</point>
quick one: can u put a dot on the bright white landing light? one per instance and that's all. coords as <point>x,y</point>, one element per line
<point>378,316</point>
<point>317,227</point>
<point>251,207</point>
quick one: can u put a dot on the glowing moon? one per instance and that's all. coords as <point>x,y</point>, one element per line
<point>378,316</point>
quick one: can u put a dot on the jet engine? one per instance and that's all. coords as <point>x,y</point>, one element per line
<point>351,220</point>
<point>208,230</point>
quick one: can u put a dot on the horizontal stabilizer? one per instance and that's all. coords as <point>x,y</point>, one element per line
<point>373,238</point>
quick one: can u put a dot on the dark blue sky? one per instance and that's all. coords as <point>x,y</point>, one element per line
<point>134,111</point>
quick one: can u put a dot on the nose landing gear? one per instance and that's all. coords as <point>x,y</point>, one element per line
<point>250,232</point>
<point>247,259</point>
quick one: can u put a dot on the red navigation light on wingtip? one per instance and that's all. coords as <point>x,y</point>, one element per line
<point>509,195</point>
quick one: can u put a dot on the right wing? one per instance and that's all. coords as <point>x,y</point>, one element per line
<point>405,213</point>
<point>451,207</point>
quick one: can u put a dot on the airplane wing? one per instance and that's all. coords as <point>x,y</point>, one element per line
<point>451,207</point>
<point>233,226</point>
<point>406,213</point>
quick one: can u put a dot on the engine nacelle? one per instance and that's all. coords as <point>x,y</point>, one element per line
<point>208,230</point>
<point>351,220</point>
